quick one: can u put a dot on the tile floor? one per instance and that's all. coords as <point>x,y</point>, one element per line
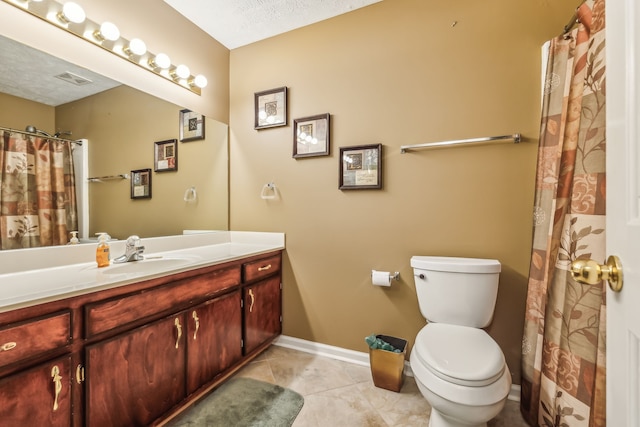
<point>338,393</point>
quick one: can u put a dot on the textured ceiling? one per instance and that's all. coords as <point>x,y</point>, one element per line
<point>236,23</point>
<point>31,74</point>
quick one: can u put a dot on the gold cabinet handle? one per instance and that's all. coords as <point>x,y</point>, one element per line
<point>57,381</point>
<point>8,346</point>
<point>589,272</point>
<point>79,373</point>
<point>253,299</point>
<point>264,268</point>
<point>197,320</point>
<point>179,329</point>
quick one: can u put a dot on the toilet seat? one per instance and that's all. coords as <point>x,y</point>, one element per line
<point>460,355</point>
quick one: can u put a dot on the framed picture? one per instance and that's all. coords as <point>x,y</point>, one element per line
<point>361,167</point>
<point>191,126</point>
<point>166,155</point>
<point>311,136</point>
<point>271,108</point>
<point>141,184</point>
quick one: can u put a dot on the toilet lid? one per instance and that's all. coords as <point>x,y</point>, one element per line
<point>460,354</point>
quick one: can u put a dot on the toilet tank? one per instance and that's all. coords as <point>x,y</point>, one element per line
<point>459,291</point>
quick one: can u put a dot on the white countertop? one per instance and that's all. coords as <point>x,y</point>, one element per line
<point>41,275</point>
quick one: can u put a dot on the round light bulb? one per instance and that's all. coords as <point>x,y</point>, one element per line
<point>183,71</point>
<point>72,12</point>
<point>200,81</point>
<point>109,31</point>
<point>137,47</point>
<point>162,61</point>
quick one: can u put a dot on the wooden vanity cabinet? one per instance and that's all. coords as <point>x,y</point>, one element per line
<point>34,354</point>
<point>38,396</point>
<point>214,339</point>
<point>262,302</point>
<point>135,377</point>
<point>137,354</point>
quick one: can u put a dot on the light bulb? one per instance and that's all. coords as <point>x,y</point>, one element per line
<point>182,71</point>
<point>136,47</point>
<point>108,31</point>
<point>160,61</point>
<point>72,12</point>
<point>200,81</point>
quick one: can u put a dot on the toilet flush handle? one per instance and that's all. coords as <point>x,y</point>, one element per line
<point>420,276</point>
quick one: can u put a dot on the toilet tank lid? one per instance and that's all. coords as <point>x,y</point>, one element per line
<point>461,265</point>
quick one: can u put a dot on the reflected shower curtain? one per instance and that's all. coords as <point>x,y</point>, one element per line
<point>563,348</point>
<point>37,196</point>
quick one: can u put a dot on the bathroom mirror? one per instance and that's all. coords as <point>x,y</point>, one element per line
<point>121,125</point>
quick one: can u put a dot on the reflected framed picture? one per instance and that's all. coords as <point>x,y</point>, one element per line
<point>311,136</point>
<point>361,167</point>
<point>166,155</point>
<point>270,108</point>
<point>191,126</point>
<point>141,184</point>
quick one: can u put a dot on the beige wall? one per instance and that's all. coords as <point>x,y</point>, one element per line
<point>398,72</point>
<point>122,125</point>
<point>18,113</point>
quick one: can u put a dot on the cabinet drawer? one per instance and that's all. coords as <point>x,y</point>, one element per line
<point>256,270</point>
<point>19,341</point>
<point>106,315</point>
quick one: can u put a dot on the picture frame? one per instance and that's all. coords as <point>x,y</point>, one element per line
<point>166,155</point>
<point>311,136</point>
<point>141,184</point>
<point>361,167</point>
<point>270,108</point>
<point>191,126</point>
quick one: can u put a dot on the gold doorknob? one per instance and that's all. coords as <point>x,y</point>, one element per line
<point>590,272</point>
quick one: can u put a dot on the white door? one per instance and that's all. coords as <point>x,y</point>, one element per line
<point>623,210</point>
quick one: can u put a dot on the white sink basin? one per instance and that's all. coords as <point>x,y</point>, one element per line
<point>149,265</point>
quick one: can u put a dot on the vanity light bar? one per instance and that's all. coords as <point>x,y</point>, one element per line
<point>71,17</point>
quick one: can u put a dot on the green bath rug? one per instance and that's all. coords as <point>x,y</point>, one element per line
<point>244,402</point>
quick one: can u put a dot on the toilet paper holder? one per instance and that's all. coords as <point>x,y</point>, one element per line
<point>392,276</point>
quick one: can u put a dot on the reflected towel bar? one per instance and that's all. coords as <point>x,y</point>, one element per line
<point>108,177</point>
<point>516,137</point>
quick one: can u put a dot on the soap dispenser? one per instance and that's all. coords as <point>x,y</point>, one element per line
<point>74,238</point>
<point>102,251</point>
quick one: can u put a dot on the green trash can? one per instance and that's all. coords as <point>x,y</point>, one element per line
<point>387,367</point>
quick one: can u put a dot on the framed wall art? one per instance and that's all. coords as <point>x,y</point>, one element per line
<point>271,108</point>
<point>191,126</point>
<point>141,184</point>
<point>361,167</point>
<point>166,155</point>
<point>311,136</point>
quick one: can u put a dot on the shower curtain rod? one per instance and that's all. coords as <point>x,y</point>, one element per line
<point>41,136</point>
<point>574,19</point>
<point>516,137</point>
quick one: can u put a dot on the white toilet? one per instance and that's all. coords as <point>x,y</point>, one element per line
<point>458,367</point>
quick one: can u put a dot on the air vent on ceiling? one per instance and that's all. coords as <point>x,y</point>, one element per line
<point>74,78</point>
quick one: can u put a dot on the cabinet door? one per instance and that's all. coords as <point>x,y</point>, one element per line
<point>262,309</point>
<point>214,339</point>
<point>40,396</point>
<point>134,378</point>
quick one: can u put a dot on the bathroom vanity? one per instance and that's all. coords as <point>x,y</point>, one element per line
<point>141,341</point>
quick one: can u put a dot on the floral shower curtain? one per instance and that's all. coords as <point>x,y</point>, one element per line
<point>563,375</point>
<point>37,196</point>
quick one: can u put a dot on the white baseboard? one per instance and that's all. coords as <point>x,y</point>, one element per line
<point>351,356</point>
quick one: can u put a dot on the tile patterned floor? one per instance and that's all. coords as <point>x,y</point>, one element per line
<point>341,393</point>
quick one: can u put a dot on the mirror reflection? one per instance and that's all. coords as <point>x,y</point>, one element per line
<point>118,126</point>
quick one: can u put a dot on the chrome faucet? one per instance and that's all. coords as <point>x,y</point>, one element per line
<point>132,251</point>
